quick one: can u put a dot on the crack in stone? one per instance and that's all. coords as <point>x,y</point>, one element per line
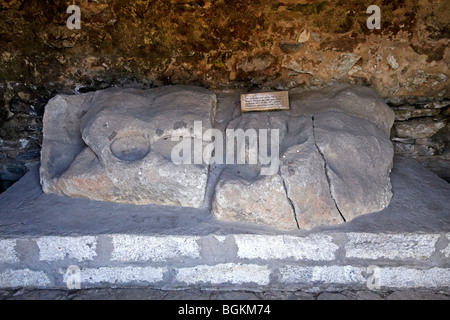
<point>326,170</point>
<point>284,183</point>
<point>290,201</point>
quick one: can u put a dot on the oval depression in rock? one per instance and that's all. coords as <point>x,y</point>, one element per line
<point>130,148</point>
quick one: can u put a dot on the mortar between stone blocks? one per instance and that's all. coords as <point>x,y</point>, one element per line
<point>274,261</point>
<point>329,257</point>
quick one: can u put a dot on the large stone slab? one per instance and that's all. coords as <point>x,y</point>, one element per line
<point>243,193</point>
<point>115,145</point>
<point>335,162</point>
<point>303,172</point>
<point>358,158</point>
<point>324,162</point>
<point>392,246</point>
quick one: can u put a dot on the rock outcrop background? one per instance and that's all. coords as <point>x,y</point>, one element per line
<point>220,44</point>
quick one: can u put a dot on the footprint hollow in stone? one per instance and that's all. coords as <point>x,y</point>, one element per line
<point>130,148</point>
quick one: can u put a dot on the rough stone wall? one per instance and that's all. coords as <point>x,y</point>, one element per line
<point>222,44</point>
<point>422,131</point>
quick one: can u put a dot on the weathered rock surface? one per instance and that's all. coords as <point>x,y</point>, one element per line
<point>115,145</point>
<point>324,162</point>
<point>335,161</point>
<point>261,201</point>
<point>358,101</point>
<point>422,131</point>
<point>289,44</point>
<point>303,172</point>
<point>418,128</point>
<point>358,159</point>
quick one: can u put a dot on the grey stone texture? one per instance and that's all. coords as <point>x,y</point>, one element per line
<point>198,294</point>
<point>358,101</point>
<point>358,160</point>
<point>115,145</point>
<point>303,171</point>
<point>376,246</point>
<point>335,162</point>
<point>403,248</point>
<point>263,201</point>
<point>312,262</point>
<point>421,131</point>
